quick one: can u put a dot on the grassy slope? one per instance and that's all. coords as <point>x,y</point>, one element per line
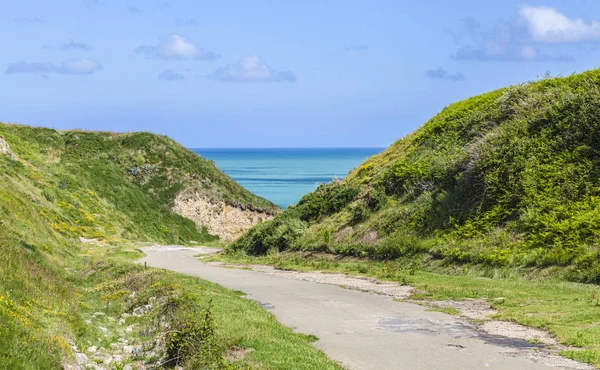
<point>505,179</point>
<point>63,185</point>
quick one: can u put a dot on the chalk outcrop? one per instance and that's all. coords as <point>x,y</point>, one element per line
<point>227,221</point>
<point>5,149</point>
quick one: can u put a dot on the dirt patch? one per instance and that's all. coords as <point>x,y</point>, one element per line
<point>357,283</point>
<point>371,238</point>
<point>343,234</point>
<point>513,330</point>
<point>480,309</point>
<point>474,309</point>
<point>236,353</point>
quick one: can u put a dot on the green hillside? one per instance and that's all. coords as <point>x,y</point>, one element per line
<point>510,178</point>
<point>73,205</point>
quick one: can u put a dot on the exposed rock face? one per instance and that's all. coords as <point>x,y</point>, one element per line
<point>4,148</point>
<point>221,219</point>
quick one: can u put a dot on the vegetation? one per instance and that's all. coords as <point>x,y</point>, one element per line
<point>505,179</point>
<point>569,311</point>
<point>58,293</point>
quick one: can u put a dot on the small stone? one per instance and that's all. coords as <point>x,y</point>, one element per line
<point>108,360</point>
<point>129,329</point>
<point>92,349</point>
<point>121,321</point>
<point>123,340</point>
<point>114,346</point>
<point>127,367</point>
<point>81,358</point>
<point>103,329</point>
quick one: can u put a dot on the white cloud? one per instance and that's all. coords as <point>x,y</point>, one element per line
<point>69,67</point>
<point>175,47</point>
<point>546,24</point>
<point>251,69</point>
<point>504,42</point>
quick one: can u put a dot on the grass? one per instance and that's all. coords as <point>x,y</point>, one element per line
<point>273,346</point>
<point>570,311</point>
<point>56,292</point>
<point>504,179</point>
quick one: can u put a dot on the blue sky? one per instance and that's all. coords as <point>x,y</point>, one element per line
<point>276,73</point>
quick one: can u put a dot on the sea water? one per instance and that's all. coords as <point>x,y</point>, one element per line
<point>283,176</point>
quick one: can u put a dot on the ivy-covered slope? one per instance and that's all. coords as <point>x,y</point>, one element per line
<point>507,178</point>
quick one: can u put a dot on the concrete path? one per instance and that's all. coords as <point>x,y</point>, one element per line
<point>363,330</point>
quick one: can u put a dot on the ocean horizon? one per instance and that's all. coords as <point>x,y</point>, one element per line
<point>284,175</point>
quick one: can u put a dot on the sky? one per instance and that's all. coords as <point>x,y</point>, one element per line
<point>290,73</point>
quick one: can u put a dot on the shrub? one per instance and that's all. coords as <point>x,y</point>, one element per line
<point>191,334</point>
<point>49,194</point>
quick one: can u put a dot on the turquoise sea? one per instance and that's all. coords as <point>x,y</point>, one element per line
<point>283,176</point>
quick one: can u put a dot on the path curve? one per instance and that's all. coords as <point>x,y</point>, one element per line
<point>361,330</point>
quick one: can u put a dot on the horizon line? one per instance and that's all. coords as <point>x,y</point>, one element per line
<point>288,147</point>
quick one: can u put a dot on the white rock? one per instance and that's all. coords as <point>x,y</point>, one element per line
<point>103,329</point>
<point>92,349</point>
<point>108,360</point>
<point>127,367</point>
<point>142,310</point>
<point>129,329</point>
<point>123,340</point>
<point>132,350</point>
<point>81,358</point>
<point>121,321</point>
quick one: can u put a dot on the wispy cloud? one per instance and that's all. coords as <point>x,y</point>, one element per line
<point>169,75</point>
<point>29,20</point>
<point>74,45</point>
<point>251,69</point>
<point>93,3</point>
<point>69,67</point>
<point>442,74</point>
<point>134,9</point>
<point>186,22</point>
<point>504,42</point>
<point>176,47</point>
<point>356,47</point>
<point>548,25</point>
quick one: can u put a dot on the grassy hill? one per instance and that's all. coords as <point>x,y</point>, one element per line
<point>510,178</point>
<point>97,184</point>
<point>59,294</point>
